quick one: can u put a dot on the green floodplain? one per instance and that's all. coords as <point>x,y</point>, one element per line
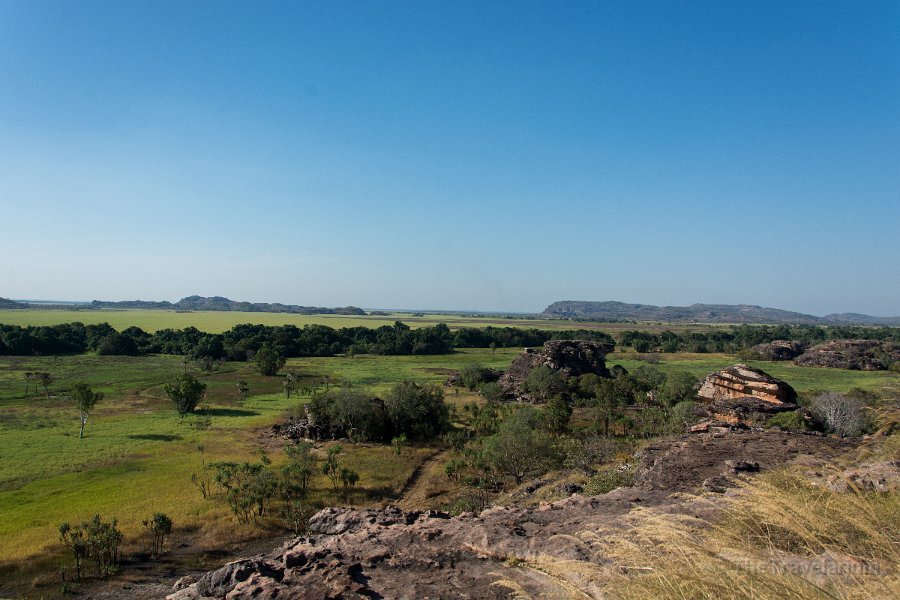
<point>138,456</point>
<point>219,321</point>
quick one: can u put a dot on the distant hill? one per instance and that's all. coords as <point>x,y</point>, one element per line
<point>702,313</point>
<point>858,319</point>
<point>224,304</point>
<point>7,303</point>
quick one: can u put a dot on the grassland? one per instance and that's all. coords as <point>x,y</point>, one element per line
<point>138,456</point>
<point>219,321</point>
<point>805,380</point>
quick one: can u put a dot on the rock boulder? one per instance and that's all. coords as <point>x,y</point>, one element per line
<point>742,396</point>
<point>570,358</point>
<point>779,350</point>
<point>859,355</point>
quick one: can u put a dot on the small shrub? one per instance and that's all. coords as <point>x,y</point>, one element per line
<point>93,539</point>
<point>159,526</point>
<point>839,414</point>
<point>788,421</point>
<point>296,514</point>
<point>610,479</point>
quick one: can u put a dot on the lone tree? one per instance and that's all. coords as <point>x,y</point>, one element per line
<point>159,526</point>
<point>519,447</point>
<point>268,359</point>
<point>290,384</point>
<point>45,380</point>
<point>85,398</point>
<point>185,392</point>
<point>332,466</point>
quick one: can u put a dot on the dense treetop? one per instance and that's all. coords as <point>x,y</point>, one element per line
<point>244,341</point>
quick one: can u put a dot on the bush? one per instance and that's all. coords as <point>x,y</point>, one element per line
<point>520,447</point>
<point>352,412</point>
<point>473,375</point>
<point>268,359</point>
<point>417,411</point>
<point>839,414</point>
<point>788,421</point>
<point>249,488</point>
<point>159,526</point>
<point>93,539</point>
<point>609,479</point>
<point>492,392</point>
<point>185,392</point>
<point>585,454</point>
<point>683,415</point>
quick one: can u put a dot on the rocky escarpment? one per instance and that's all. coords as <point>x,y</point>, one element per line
<point>779,350</point>
<point>742,395</point>
<point>389,553</point>
<point>569,358</point>
<point>860,355</point>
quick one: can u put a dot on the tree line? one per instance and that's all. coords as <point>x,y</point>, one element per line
<point>743,337</point>
<point>242,342</point>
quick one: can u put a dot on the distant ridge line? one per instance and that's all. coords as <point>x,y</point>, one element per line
<point>214,303</point>
<point>703,313</point>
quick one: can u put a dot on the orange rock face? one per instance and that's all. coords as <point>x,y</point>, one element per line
<point>741,381</point>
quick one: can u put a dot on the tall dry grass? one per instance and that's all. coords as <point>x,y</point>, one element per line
<point>781,538</point>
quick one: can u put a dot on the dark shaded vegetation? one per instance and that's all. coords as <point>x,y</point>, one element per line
<point>415,412</point>
<point>581,424</point>
<point>744,337</point>
<point>243,342</point>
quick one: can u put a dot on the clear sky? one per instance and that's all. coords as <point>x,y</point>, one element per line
<point>456,155</point>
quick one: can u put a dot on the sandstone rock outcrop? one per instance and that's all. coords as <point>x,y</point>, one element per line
<point>570,358</point>
<point>741,381</point>
<point>742,395</point>
<point>859,355</point>
<point>389,553</point>
<point>779,350</point>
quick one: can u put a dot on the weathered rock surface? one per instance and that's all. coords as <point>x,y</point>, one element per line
<point>779,350</point>
<point>390,553</point>
<point>859,355</point>
<point>570,358</point>
<point>745,396</point>
<point>741,381</point>
<point>883,476</point>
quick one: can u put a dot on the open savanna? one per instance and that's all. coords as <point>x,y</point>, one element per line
<point>137,456</point>
<point>219,321</point>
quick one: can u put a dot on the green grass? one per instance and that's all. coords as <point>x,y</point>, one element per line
<point>137,456</point>
<point>380,372</point>
<point>219,321</point>
<point>804,380</point>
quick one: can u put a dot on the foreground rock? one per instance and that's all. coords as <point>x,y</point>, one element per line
<point>779,350</point>
<point>390,553</point>
<point>858,355</point>
<point>570,358</point>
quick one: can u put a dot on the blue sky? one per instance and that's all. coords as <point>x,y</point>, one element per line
<point>456,155</point>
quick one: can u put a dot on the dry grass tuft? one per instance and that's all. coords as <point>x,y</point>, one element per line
<point>782,538</point>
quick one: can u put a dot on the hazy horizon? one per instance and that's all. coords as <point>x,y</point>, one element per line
<point>422,308</point>
<point>475,156</point>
